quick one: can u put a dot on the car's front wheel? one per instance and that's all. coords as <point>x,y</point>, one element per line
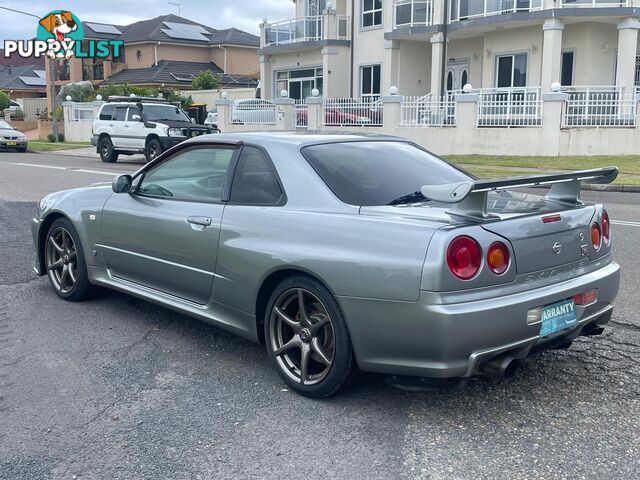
<point>64,260</point>
<point>107,153</point>
<point>307,338</point>
<point>153,150</point>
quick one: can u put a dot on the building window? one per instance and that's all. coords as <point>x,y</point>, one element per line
<point>511,70</point>
<point>371,13</point>
<point>566,70</point>
<point>637,81</point>
<point>299,83</point>
<point>370,81</point>
<point>316,7</point>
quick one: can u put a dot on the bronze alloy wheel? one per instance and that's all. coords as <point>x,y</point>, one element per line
<point>302,336</point>
<point>61,260</point>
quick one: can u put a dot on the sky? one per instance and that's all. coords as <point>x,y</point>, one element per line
<point>243,14</point>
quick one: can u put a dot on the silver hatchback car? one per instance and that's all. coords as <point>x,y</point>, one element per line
<point>343,252</point>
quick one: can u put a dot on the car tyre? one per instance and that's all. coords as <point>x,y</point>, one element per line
<point>153,150</point>
<point>107,153</point>
<point>65,263</point>
<point>310,348</point>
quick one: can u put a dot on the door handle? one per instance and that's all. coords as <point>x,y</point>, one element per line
<point>203,221</point>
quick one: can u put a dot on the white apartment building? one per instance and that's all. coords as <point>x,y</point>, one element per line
<point>360,48</point>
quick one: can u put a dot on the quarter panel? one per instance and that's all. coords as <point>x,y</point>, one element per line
<point>354,255</point>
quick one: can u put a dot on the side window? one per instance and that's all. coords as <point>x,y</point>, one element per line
<point>255,181</point>
<point>194,175</point>
<point>107,112</point>
<point>121,114</point>
<point>132,112</point>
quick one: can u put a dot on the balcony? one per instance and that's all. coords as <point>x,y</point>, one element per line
<point>412,13</point>
<point>594,3</point>
<point>306,29</point>
<point>470,9</point>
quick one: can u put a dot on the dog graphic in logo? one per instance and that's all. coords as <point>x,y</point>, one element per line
<point>60,25</point>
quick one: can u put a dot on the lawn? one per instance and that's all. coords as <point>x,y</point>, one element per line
<point>48,147</point>
<point>485,166</point>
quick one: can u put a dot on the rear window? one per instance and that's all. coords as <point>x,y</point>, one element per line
<point>107,112</point>
<point>376,173</point>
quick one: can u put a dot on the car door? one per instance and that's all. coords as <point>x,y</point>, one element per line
<point>164,233</point>
<point>119,136</point>
<point>135,129</point>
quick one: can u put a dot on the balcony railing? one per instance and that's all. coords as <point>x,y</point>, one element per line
<point>412,13</point>
<point>593,3</point>
<point>305,29</point>
<point>469,9</point>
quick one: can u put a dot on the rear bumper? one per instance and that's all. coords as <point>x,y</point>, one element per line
<point>432,339</point>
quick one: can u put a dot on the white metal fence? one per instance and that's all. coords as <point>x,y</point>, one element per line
<point>363,111</point>
<point>467,9</point>
<point>510,107</point>
<point>300,29</point>
<point>82,112</point>
<point>428,111</point>
<point>410,13</point>
<point>593,3</point>
<point>597,109</point>
<point>253,112</point>
<point>301,117</point>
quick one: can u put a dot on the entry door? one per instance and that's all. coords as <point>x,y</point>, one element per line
<point>457,76</point>
<point>300,89</point>
<point>164,235</point>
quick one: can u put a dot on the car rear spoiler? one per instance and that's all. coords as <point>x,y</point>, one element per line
<point>469,199</point>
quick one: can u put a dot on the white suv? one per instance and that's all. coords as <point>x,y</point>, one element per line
<point>129,125</point>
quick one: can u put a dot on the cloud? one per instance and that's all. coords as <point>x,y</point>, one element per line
<point>242,14</point>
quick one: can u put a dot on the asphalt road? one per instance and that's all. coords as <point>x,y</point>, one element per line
<point>118,388</point>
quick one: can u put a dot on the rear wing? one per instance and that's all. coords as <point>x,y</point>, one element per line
<point>469,199</point>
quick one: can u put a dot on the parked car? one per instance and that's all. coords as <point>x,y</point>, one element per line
<point>15,108</point>
<point>12,138</point>
<point>341,252</point>
<point>333,116</point>
<point>130,125</point>
<point>246,111</point>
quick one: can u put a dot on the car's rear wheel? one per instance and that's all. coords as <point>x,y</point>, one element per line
<point>64,260</point>
<point>153,150</point>
<point>307,338</point>
<point>107,153</point>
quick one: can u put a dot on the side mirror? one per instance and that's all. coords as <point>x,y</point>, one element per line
<point>122,184</point>
<point>136,118</point>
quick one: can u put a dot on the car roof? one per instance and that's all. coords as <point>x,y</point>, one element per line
<point>292,138</point>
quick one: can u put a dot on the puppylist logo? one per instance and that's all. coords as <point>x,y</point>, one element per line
<point>60,34</point>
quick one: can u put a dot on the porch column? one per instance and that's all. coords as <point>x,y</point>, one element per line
<point>627,50</point>
<point>437,56</point>
<point>391,70</point>
<point>266,77</point>
<point>335,68</point>
<point>551,53</point>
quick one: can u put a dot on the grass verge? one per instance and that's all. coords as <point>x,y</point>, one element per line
<point>50,147</point>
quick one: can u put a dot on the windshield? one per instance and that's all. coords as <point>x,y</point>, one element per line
<point>377,173</point>
<point>157,113</point>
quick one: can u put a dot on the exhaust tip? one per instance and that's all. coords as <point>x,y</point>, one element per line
<point>502,367</point>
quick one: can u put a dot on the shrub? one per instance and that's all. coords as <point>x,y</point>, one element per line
<point>61,137</point>
<point>51,138</point>
<point>5,101</point>
<point>17,115</point>
<point>205,80</point>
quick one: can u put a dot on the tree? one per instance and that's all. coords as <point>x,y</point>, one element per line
<point>5,101</point>
<point>205,80</point>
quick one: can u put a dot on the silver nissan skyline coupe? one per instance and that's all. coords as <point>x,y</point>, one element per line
<point>343,252</point>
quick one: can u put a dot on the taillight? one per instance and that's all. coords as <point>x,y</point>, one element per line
<point>464,257</point>
<point>606,229</point>
<point>498,258</point>
<point>596,236</point>
<point>586,298</point>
